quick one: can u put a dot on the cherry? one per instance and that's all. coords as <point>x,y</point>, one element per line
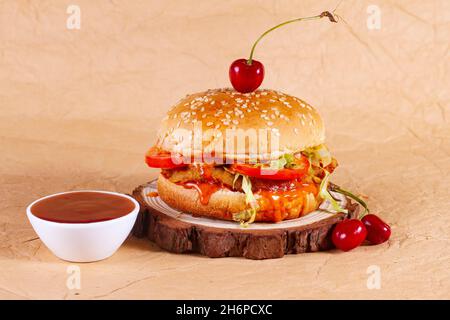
<point>348,234</point>
<point>378,231</point>
<point>246,77</point>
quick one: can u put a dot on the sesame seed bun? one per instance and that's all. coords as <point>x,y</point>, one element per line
<point>276,123</point>
<point>221,205</point>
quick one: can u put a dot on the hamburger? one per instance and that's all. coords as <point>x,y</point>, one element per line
<point>247,157</point>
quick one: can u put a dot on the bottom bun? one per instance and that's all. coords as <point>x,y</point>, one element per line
<point>221,205</point>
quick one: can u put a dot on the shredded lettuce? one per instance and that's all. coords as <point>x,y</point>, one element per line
<point>325,194</point>
<point>354,197</point>
<point>247,216</point>
<point>290,160</point>
<point>285,161</point>
<point>278,164</point>
<point>249,196</point>
<point>319,155</point>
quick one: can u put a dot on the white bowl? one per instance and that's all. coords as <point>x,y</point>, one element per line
<point>84,242</point>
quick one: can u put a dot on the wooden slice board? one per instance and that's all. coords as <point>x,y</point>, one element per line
<point>180,232</point>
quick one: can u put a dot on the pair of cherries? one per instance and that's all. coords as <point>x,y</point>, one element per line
<point>351,233</point>
<point>246,75</point>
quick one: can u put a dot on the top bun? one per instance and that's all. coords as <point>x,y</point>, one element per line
<point>274,123</point>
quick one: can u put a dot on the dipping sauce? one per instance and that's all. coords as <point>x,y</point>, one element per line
<point>82,207</point>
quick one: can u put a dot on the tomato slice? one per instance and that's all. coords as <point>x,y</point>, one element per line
<point>157,158</point>
<point>261,172</point>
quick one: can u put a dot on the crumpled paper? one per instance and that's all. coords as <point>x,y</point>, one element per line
<point>79,108</point>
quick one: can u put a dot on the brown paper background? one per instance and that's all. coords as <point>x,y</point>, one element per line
<point>78,109</point>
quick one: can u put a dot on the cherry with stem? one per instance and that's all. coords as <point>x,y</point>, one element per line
<point>246,75</point>
<point>348,233</point>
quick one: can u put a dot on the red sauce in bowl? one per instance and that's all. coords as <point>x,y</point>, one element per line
<point>82,207</point>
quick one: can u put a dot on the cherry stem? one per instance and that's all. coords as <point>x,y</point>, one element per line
<point>322,15</point>
<point>338,189</point>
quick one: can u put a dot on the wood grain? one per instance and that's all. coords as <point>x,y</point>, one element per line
<point>178,236</point>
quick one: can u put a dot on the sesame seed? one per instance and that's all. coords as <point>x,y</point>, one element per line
<point>209,124</point>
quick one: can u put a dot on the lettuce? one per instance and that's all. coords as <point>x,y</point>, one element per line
<point>249,196</point>
<point>325,194</point>
<point>285,161</point>
<point>278,164</point>
<point>338,189</point>
<point>319,155</point>
<point>247,216</point>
